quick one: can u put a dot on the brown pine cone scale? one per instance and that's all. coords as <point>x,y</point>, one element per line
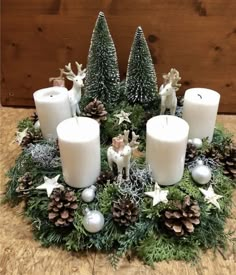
<point>106,176</point>
<point>125,212</point>
<point>191,153</point>
<point>228,160</point>
<point>61,207</point>
<point>213,153</point>
<point>96,110</point>
<point>25,184</point>
<point>182,220</point>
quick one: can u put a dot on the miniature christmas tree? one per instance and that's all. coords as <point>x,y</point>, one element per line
<point>141,82</point>
<point>102,80</point>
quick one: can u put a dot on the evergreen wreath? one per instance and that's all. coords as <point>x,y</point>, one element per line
<point>147,237</point>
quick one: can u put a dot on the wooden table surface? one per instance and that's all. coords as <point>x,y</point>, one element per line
<point>21,254</point>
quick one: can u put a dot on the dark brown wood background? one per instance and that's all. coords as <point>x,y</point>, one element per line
<point>196,37</point>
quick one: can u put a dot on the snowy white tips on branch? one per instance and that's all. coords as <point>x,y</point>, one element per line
<point>102,79</point>
<point>139,28</point>
<point>141,86</point>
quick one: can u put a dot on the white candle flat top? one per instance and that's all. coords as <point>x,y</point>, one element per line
<point>51,94</point>
<point>202,96</point>
<point>167,128</point>
<point>79,129</point>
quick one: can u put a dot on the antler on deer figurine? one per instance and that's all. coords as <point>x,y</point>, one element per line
<point>120,153</point>
<point>75,91</point>
<point>59,80</point>
<point>168,91</point>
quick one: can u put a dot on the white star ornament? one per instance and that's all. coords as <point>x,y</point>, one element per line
<point>123,116</point>
<point>158,195</point>
<point>211,196</point>
<point>50,185</point>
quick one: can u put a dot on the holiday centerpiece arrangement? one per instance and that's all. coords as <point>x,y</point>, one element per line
<point>122,166</point>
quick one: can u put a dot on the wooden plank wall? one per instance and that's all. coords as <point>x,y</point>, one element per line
<point>196,37</point>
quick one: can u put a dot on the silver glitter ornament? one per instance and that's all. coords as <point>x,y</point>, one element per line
<point>201,173</point>
<point>93,220</point>
<point>197,142</point>
<point>37,125</point>
<point>88,194</point>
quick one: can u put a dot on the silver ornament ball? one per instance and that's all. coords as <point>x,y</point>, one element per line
<point>190,141</point>
<point>201,173</point>
<point>93,220</point>
<point>197,142</point>
<point>37,125</point>
<point>88,194</point>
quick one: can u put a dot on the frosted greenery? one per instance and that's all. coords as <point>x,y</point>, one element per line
<point>141,82</point>
<point>102,79</point>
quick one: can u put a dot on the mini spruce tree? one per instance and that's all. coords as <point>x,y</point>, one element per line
<point>102,79</point>
<point>141,82</point>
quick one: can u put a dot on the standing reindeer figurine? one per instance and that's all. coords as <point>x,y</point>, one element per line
<point>168,91</point>
<point>120,153</point>
<point>75,91</point>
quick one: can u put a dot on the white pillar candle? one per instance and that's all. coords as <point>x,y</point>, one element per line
<point>79,143</point>
<point>167,138</point>
<point>53,106</point>
<point>200,111</point>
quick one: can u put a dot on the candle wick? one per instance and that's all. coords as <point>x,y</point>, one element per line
<point>166,120</point>
<point>199,96</point>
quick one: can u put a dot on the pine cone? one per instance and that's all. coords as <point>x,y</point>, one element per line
<point>228,160</point>
<point>62,206</point>
<point>31,137</point>
<point>213,154</point>
<point>182,220</point>
<point>34,118</point>
<point>125,212</point>
<point>191,153</point>
<point>25,183</point>
<point>96,110</point>
<point>105,177</point>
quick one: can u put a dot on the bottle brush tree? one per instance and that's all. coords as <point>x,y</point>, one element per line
<point>102,78</point>
<point>141,82</point>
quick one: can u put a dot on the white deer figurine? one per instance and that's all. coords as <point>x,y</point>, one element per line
<point>168,91</point>
<point>75,91</point>
<point>120,153</point>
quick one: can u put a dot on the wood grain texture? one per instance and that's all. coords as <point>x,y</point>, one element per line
<point>20,254</point>
<point>196,37</point>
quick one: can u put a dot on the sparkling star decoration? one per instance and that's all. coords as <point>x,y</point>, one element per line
<point>20,136</point>
<point>50,184</point>
<point>123,116</point>
<point>211,196</point>
<point>158,195</point>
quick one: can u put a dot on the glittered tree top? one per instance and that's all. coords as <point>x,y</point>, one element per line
<point>102,80</point>
<point>141,82</point>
